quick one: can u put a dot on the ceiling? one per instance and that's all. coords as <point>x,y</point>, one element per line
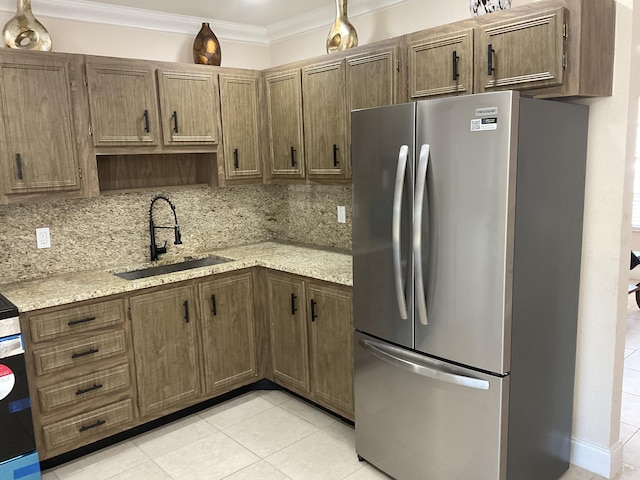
<point>253,21</point>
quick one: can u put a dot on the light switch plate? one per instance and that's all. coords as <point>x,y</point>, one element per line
<point>43,238</point>
<point>342,215</point>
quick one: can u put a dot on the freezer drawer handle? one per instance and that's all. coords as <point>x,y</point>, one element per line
<point>395,229</point>
<point>421,181</point>
<point>395,356</point>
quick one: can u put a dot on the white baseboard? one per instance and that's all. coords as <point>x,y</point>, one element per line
<point>602,461</point>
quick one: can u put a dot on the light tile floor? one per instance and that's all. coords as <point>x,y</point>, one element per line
<point>271,435</point>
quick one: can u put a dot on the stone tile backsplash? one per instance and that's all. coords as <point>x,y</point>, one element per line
<point>113,230</point>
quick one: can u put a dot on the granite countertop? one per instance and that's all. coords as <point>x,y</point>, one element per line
<point>316,263</point>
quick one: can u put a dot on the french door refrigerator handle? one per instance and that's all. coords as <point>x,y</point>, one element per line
<point>399,358</point>
<point>395,229</point>
<point>421,181</point>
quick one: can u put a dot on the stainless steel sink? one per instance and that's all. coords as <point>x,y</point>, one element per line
<point>171,268</point>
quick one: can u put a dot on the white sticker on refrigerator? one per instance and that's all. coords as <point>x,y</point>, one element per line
<point>480,124</point>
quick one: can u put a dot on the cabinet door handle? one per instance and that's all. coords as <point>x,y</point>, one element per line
<point>186,310</point>
<point>214,310</point>
<point>19,165</point>
<point>293,304</point>
<point>314,315</point>
<point>175,121</point>
<point>236,163</point>
<point>490,52</point>
<point>71,323</point>
<point>92,425</point>
<point>293,157</point>
<point>95,386</point>
<point>146,121</point>
<point>335,155</point>
<point>91,351</point>
<point>454,65</point>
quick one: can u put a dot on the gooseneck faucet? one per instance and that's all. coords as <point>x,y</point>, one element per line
<point>154,249</point>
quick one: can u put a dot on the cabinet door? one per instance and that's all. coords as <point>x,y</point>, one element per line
<point>228,338</point>
<point>39,151</point>
<point>325,119</point>
<point>188,107</point>
<point>441,64</point>
<point>239,105</point>
<point>331,346</point>
<point>123,104</point>
<point>284,118</point>
<point>288,327</point>
<point>371,79</point>
<point>164,341</point>
<point>527,52</point>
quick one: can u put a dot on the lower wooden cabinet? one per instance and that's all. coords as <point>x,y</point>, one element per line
<point>95,371</point>
<point>228,334</point>
<point>311,326</point>
<point>164,328</point>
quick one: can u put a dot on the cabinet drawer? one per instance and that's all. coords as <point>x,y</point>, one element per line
<point>47,326</point>
<point>85,428</point>
<point>84,388</point>
<point>79,352</point>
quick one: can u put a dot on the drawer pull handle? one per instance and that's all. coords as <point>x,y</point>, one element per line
<point>95,386</point>
<point>82,320</point>
<point>82,354</point>
<point>84,428</point>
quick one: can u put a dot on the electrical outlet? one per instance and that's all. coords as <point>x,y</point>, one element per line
<point>342,215</point>
<point>43,238</point>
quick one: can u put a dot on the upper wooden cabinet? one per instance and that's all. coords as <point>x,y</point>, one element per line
<point>524,52</point>
<point>239,108</point>
<point>123,103</point>
<point>325,119</point>
<point>551,48</point>
<point>188,108</point>
<point>283,96</point>
<point>371,78</point>
<point>37,136</point>
<point>440,62</point>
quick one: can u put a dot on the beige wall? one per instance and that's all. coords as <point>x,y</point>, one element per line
<point>98,39</point>
<point>606,240</point>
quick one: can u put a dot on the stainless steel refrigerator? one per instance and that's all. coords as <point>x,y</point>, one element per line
<point>467,233</point>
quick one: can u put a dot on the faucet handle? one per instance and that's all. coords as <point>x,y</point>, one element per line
<point>162,249</point>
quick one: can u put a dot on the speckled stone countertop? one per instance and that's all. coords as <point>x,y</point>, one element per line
<point>63,289</point>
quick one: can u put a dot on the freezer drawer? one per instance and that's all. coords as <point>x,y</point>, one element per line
<point>419,418</point>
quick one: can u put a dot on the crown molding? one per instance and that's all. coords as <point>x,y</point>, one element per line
<point>93,12</point>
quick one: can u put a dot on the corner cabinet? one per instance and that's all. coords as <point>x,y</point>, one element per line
<point>164,329</point>
<point>228,333</point>
<point>311,326</point>
<point>239,97</point>
<point>36,124</point>
<point>283,96</point>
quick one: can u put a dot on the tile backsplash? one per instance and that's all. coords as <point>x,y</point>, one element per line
<point>113,230</point>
